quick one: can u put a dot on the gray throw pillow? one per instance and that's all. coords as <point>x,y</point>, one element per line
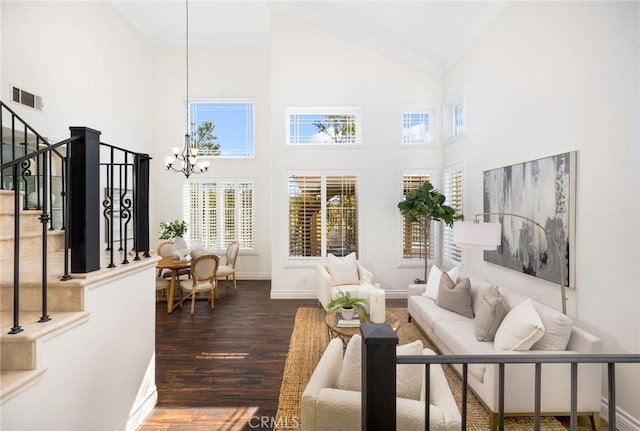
<point>490,309</point>
<point>455,297</point>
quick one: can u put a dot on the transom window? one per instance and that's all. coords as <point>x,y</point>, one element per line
<point>222,128</point>
<point>323,126</point>
<point>323,215</point>
<point>418,125</point>
<point>219,213</point>
<point>454,116</point>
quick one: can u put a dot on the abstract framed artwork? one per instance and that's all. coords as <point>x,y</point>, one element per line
<point>542,190</point>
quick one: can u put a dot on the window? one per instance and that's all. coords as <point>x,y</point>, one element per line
<point>222,128</point>
<point>452,189</point>
<point>323,126</point>
<point>323,215</point>
<point>412,235</point>
<point>419,125</point>
<point>455,116</point>
<point>219,213</point>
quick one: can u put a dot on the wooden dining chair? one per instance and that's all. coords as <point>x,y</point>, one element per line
<point>229,268</point>
<point>203,279</point>
<point>164,249</point>
<point>162,288</point>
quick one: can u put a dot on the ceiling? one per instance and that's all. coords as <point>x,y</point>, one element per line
<point>430,34</point>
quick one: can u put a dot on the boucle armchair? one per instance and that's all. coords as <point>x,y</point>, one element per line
<point>340,274</point>
<point>325,407</point>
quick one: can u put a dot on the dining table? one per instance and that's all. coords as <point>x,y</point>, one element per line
<point>174,265</point>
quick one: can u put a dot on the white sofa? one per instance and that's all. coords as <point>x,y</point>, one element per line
<point>327,289</point>
<point>327,408</point>
<point>454,334</point>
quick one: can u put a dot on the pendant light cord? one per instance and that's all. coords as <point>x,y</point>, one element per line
<point>187,65</point>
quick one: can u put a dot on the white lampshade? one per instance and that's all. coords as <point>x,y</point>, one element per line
<point>483,236</point>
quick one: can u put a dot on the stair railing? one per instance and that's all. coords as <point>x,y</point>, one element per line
<point>27,165</point>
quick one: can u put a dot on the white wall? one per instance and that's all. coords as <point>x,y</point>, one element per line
<point>87,63</point>
<point>312,67</point>
<point>100,371</point>
<point>547,78</point>
<point>214,74</point>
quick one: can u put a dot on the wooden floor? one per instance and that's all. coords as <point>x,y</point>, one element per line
<point>221,369</point>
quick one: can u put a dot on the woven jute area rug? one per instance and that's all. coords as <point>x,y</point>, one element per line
<point>309,339</point>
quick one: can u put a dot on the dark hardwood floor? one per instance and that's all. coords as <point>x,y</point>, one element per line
<point>227,357</point>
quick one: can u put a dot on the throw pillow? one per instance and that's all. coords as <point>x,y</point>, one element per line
<point>557,329</point>
<point>409,378</point>
<point>455,297</point>
<point>520,328</point>
<point>433,283</point>
<point>343,270</point>
<point>490,309</point>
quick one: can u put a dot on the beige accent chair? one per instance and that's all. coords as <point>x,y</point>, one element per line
<point>203,279</point>
<point>164,250</point>
<point>229,268</point>
<point>328,286</point>
<point>324,407</point>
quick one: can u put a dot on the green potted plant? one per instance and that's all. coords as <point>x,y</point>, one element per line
<point>174,230</point>
<point>424,205</point>
<point>349,305</point>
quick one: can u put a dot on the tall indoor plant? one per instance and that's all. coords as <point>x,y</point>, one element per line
<point>424,205</point>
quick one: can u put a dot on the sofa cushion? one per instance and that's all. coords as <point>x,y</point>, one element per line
<point>490,309</point>
<point>454,296</point>
<point>343,270</point>
<point>520,328</point>
<point>409,378</point>
<point>458,336</point>
<point>557,329</point>
<point>429,312</point>
<point>433,282</point>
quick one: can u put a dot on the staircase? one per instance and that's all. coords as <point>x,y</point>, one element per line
<point>18,352</point>
<point>77,342</point>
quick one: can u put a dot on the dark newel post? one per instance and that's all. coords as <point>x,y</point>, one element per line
<point>84,198</point>
<point>141,207</point>
<point>378,377</point>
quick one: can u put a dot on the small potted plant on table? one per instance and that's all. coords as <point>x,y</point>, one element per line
<point>349,305</point>
<point>174,230</point>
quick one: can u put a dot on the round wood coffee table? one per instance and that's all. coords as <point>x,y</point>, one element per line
<point>345,333</point>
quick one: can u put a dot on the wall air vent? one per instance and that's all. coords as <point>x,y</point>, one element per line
<point>27,99</point>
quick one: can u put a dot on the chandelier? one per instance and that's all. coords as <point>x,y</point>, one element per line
<point>186,161</point>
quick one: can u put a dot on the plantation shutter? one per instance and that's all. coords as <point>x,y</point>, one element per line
<point>342,215</point>
<point>305,216</point>
<point>453,191</point>
<point>219,213</point>
<point>412,236</point>
<point>246,218</point>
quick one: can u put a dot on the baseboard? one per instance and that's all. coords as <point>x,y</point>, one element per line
<point>145,409</point>
<point>624,421</point>
<point>254,276</point>
<point>293,294</point>
<point>311,294</point>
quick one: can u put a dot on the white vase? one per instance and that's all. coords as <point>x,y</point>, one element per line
<point>178,244</point>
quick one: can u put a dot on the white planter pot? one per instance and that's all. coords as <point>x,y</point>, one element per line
<point>347,313</point>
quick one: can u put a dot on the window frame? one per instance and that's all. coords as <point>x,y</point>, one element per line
<point>447,231</point>
<point>323,174</point>
<point>220,183</point>
<point>433,112</point>
<point>451,129</point>
<point>345,110</point>
<point>434,232</point>
<point>251,124</point>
